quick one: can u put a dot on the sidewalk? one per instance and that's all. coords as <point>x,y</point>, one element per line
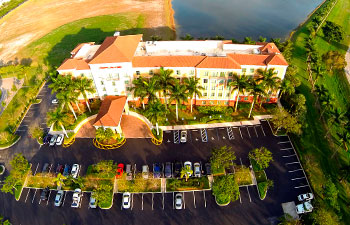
<point>214,125</point>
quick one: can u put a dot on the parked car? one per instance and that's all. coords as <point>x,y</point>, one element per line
<point>59,139</point>
<point>45,194</point>
<point>305,197</point>
<point>47,139</point>
<point>177,169</point>
<point>145,171</point>
<point>53,140</point>
<point>304,207</point>
<point>128,171</point>
<point>54,101</point>
<point>46,168</point>
<point>183,136</point>
<point>188,164</point>
<point>77,194</point>
<point>92,202</point>
<point>59,198</point>
<point>120,170</point>
<point>75,170</point>
<point>197,169</point>
<point>168,170</point>
<point>126,200</point>
<point>66,170</point>
<point>157,170</point>
<point>59,168</point>
<point>178,201</point>
<point>208,169</point>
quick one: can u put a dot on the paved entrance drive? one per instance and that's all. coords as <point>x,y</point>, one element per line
<point>133,127</point>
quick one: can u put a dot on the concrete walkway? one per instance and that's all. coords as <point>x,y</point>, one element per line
<point>214,125</point>
<point>347,67</point>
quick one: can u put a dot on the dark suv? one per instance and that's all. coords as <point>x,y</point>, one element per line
<point>177,169</point>
<point>45,194</point>
<point>168,170</point>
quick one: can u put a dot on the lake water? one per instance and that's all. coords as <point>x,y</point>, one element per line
<point>240,18</point>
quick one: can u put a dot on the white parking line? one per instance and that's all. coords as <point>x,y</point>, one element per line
<point>64,197</point>
<point>256,132</point>
<point>284,149</point>
<point>239,128</point>
<point>27,195</point>
<point>298,178</point>
<point>291,171</point>
<point>142,202</point>
<point>283,142</point>
<point>173,201</point>
<point>23,125</point>
<point>36,169</point>
<point>184,200</point>
<point>152,200</point>
<point>292,163</point>
<point>263,130</point>
<point>205,200</point>
<point>163,200</point>
<point>34,196</point>
<point>48,199</point>
<point>286,156</point>
<point>50,167</point>
<point>132,201</point>
<point>240,199</point>
<point>194,200</point>
<point>248,132</point>
<point>39,201</point>
<point>249,194</point>
<point>301,186</point>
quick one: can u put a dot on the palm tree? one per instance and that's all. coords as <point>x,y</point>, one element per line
<point>337,117</point>
<point>257,90</point>
<point>193,88</point>
<point>239,83</point>
<point>186,172</point>
<point>286,87</point>
<point>104,134</point>
<point>319,71</point>
<point>165,81</point>
<point>178,94</point>
<point>187,37</point>
<point>155,111</point>
<point>83,87</point>
<point>139,90</point>
<point>321,91</point>
<point>344,138</point>
<point>326,102</point>
<point>269,79</point>
<point>151,88</point>
<point>65,98</point>
<point>59,180</point>
<point>58,117</point>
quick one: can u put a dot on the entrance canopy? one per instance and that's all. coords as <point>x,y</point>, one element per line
<point>110,112</point>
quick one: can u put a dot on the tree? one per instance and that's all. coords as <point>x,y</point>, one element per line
<point>14,88</point>
<point>262,39</point>
<point>19,164</point>
<point>36,132</point>
<point>257,90</point>
<point>156,38</point>
<point>286,87</point>
<point>333,32</point>
<point>186,172</point>
<point>222,157</point>
<point>84,86</point>
<point>248,41</point>
<point>336,117</point>
<point>139,90</point>
<point>155,112</point>
<point>319,71</point>
<point>334,60</point>
<point>282,119</point>
<point>262,156</point>
<point>65,99</point>
<point>165,82</point>
<point>103,134</point>
<point>59,180</point>
<point>326,102</point>
<point>178,93</point>
<point>151,87</point>
<point>287,219</point>
<point>187,37</point>
<point>225,189</point>
<point>56,116</point>
<point>193,88</point>
<point>330,192</point>
<point>269,80</point>
<point>103,193</point>
<point>298,106</point>
<point>322,216</point>
<point>277,42</point>
<point>239,84</point>
<point>344,138</point>
<point>104,168</point>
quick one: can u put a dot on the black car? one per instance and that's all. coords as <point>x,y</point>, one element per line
<point>59,168</point>
<point>168,170</point>
<point>177,169</point>
<point>208,169</point>
<point>45,194</point>
<point>47,139</point>
<point>66,170</point>
<point>46,168</point>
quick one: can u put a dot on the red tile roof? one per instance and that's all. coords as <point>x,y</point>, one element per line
<point>166,61</point>
<point>110,111</point>
<point>249,59</point>
<point>269,48</point>
<point>117,49</point>
<point>74,64</point>
<point>277,59</point>
<point>219,62</point>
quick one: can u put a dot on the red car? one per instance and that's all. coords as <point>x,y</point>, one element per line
<point>120,170</point>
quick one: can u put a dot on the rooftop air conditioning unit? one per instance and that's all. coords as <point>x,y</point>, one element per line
<point>116,34</point>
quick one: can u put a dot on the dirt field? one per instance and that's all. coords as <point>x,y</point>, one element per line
<point>35,18</point>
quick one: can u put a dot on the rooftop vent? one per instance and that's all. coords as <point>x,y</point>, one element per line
<point>117,33</point>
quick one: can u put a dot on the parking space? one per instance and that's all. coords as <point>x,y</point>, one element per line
<point>196,135</point>
<point>225,133</point>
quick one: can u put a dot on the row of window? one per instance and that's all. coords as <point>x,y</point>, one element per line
<point>113,82</point>
<point>177,72</point>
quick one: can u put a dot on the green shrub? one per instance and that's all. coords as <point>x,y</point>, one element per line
<point>263,187</point>
<point>190,184</point>
<point>225,189</point>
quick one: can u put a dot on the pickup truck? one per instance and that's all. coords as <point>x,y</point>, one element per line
<point>77,198</point>
<point>304,207</point>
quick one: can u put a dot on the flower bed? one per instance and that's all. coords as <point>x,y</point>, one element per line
<point>138,184</point>
<point>183,185</point>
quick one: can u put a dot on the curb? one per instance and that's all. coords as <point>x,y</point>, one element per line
<point>222,205</point>
<point>3,148</point>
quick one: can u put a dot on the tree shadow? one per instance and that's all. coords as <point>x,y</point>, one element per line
<point>62,50</point>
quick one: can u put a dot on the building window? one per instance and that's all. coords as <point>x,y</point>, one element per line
<point>191,72</point>
<point>230,74</point>
<point>206,74</point>
<point>205,94</point>
<point>113,83</point>
<point>226,102</point>
<point>115,90</point>
<point>212,94</point>
<point>205,87</point>
<point>222,74</point>
<point>244,70</point>
<point>213,81</point>
<point>220,94</point>
<point>178,72</point>
<point>204,102</point>
<point>104,89</point>
<point>214,74</point>
<point>245,98</point>
<point>205,81</point>
<point>228,94</point>
<point>101,82</point>
<point>252,70</point>
<point>213,88</point>
<point>221,88</point>
<point>151,72</point>
<point>126,82</point>
<point>137,72</point>
<point>211,102</point>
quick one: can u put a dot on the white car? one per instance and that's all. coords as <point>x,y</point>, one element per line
<point>126,200</point>
<point>145,171</point>
<point>77,198</point>
<point>178,201</point>
<point>59,139</point>
<point>59,198</point>
<point>183,138</point>
<point>189,164</point>
<point>75,170</point>
<point>92,203</point>
<point>197,169</point>
<point>53,140</point>
<point>54,101</point>
<point>304,207</point>
<point>305,197</point>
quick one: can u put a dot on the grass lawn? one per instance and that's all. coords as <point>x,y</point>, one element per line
<point>191,184</point>
<point>8,6</point>
<point>138,184</point>
<point>218,171</point>
<point>42,180</point>
<point>242,176</point>
<point>54,47</point>
<point>314,150</point>
<point>262,188</point>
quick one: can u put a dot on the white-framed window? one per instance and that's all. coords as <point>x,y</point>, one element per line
<point>205,81</point>
<point>191,72</point>
<point>178,72</point>
<point>244,70</point>
<point>137,72</point>
<point>151,72</point>
<point>213,88</point>
<point>252,70</point>
<point>212,94</point>
<point>206,73</point>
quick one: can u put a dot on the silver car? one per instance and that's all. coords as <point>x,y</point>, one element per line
<point>75,170</point>
<point>59,198</point>
<point>53,140</point>
<point>183,136</point>
<point>145,171</point>
<point>92,202</point>
<point>197,169</point>
<point>126,200</point>
<point>59,139</point>
<point>178,201</point>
